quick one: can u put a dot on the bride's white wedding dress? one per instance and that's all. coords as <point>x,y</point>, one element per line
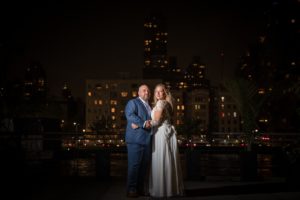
<point>165,173</point>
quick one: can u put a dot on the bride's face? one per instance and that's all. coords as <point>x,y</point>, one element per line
<point>159,93</point>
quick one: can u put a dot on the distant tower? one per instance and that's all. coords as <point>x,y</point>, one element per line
<point>35,87</point>
<point>272,62</point>
<point>174,76</point>
<point>195,75</point>
<point>66,92</point>
<point>155,47</point>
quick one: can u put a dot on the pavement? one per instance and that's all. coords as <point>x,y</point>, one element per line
<point>115,188</point>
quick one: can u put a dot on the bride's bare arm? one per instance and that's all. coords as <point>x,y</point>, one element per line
<point>156,119</point>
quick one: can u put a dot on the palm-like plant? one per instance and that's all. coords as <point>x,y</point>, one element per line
<point>249,103</point>
<point>189,128</point>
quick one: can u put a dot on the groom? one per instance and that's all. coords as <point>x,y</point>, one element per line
<point>138,141</point>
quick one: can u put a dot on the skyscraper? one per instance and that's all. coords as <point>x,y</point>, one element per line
<point>155,47</point>
<point>273,64</point>
<point>195,75</point>
<point>35,85</point>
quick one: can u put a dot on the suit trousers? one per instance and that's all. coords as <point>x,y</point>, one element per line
<point>138,166</point>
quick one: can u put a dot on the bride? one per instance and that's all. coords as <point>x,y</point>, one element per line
<point>165,171</point>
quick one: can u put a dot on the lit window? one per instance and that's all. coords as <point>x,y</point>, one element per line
<point>113,102</point>
<point>41,82</point>
<point>100,102</point>
<point>222,99</point>
<point>293,21</point>
<point>261,91</point>
<point>28,83</point>
<point>124,94</point>
<point>113,117</point>
<point>98,87</point>
<point>182,107</point>
<point>147,62</point>
<point>262,39</point>
<point>178,100</point>
<point>178,107</point>
<point>96,102</point>
<point>89,94</point>
<point>222,114</point>
<point>134,93</point>
<point>113,110</point>
<point>234,114</point>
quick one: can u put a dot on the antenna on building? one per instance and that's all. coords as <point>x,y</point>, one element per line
<point>222,66</point>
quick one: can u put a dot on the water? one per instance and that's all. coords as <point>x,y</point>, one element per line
<point>209,165</point>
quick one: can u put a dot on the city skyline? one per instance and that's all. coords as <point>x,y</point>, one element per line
<point>76,42</point>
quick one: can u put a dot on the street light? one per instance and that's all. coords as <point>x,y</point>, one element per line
<point>77,147</point>
<point>76,126</point>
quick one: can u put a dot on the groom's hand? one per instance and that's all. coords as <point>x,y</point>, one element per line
<point>134,126</point>
<point>148,124</point>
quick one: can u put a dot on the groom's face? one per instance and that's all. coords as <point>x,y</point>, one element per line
<point>144,92</point>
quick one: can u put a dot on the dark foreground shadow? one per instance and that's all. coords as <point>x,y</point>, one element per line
<point>244,189</point>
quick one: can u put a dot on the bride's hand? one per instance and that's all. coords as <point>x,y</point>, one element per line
<point>134,126</point>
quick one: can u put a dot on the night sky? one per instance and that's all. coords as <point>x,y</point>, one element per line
<point>84,40</point>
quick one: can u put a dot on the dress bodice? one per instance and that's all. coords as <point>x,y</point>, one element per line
<point>166,109</point>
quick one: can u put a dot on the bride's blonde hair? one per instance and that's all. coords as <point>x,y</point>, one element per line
<point>167,92</point>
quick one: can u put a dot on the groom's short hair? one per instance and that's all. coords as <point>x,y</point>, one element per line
<point>143,84</point>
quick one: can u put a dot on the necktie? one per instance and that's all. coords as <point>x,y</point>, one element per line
<point>148,108</point>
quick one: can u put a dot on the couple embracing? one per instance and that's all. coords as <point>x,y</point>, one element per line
<point>153,157</point>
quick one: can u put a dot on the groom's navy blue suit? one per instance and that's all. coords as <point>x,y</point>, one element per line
<point>138,145</point>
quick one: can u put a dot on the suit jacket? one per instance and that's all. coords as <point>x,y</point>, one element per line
<point>136,112</point>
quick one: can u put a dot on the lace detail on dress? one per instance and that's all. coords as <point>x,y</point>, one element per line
<point>161,104</point>
<point>166,109</point>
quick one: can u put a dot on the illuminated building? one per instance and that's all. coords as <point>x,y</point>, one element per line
<point>106,101</point>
